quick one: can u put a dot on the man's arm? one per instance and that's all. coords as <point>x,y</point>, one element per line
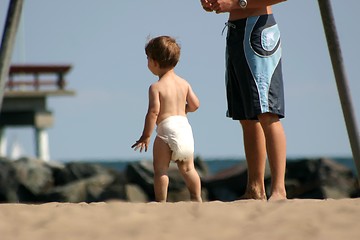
<point>260,3</point>
<point>220,6</point>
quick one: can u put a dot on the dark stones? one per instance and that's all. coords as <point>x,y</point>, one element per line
<point>34,181</point>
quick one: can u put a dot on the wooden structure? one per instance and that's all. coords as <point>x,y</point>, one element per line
<point>25,101</point>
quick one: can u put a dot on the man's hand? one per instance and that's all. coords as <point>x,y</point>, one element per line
<point>206,5</point>
<point>221,6</point>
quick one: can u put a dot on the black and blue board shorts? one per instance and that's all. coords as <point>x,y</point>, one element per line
<point>254,83</point>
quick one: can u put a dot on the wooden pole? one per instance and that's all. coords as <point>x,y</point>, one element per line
<point>7,42</point>
<point>341,79</point>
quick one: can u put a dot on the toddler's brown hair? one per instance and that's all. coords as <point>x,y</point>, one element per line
<point>164,50</point>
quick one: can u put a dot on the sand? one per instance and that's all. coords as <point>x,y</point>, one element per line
<point>290,219</point>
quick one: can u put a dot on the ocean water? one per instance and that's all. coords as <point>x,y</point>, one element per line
<point>216,165</point>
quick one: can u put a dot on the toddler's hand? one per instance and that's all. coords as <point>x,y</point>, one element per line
<point>140,144</point>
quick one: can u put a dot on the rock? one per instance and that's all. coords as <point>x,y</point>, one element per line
<point>73,171</point>
<point>91,189</point>
<point>34,177</point>
<point>227,185</point>
<point>201,167</point>
<point>135,194</point>
<point>8,183</point>
<point>307,178</point>
<point>30,180</point>
<point>141,173</point>
<point>320,178</point>
<point>86,182</point>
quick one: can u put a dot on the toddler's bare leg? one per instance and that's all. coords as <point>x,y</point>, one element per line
<point>192,179</point>
<point>161,155</point>
<point>255,153</point>
<point>276,150</point>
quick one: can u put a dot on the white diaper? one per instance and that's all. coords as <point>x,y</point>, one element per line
<point>177,133</point>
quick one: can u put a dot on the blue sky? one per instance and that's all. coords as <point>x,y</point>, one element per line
<point>104,41</point>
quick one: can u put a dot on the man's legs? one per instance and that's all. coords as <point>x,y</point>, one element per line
<point>276,151</point>
<point>255,153</point>
<point>191,177</point>
<point>162,156</point>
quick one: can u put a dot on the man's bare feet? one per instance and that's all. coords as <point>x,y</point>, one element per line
<point>275,196</point>
<point>255,195</point>
<point>196,199</point>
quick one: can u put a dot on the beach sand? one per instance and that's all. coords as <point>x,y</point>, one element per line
<point>290,219</point>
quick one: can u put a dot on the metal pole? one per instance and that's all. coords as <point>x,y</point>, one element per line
<point>7,42</point>
<point>341,79</point>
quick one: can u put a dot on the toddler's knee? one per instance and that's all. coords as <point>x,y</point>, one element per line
<point>185,168</point>
<point>160,172</point>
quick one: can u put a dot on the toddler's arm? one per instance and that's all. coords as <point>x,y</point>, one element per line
<point>150,120</point>
<point>192,100</point>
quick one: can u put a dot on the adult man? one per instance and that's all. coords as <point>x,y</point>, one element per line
<point>254,89</point>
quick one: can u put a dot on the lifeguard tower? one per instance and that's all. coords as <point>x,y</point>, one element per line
<point>25,101</point>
